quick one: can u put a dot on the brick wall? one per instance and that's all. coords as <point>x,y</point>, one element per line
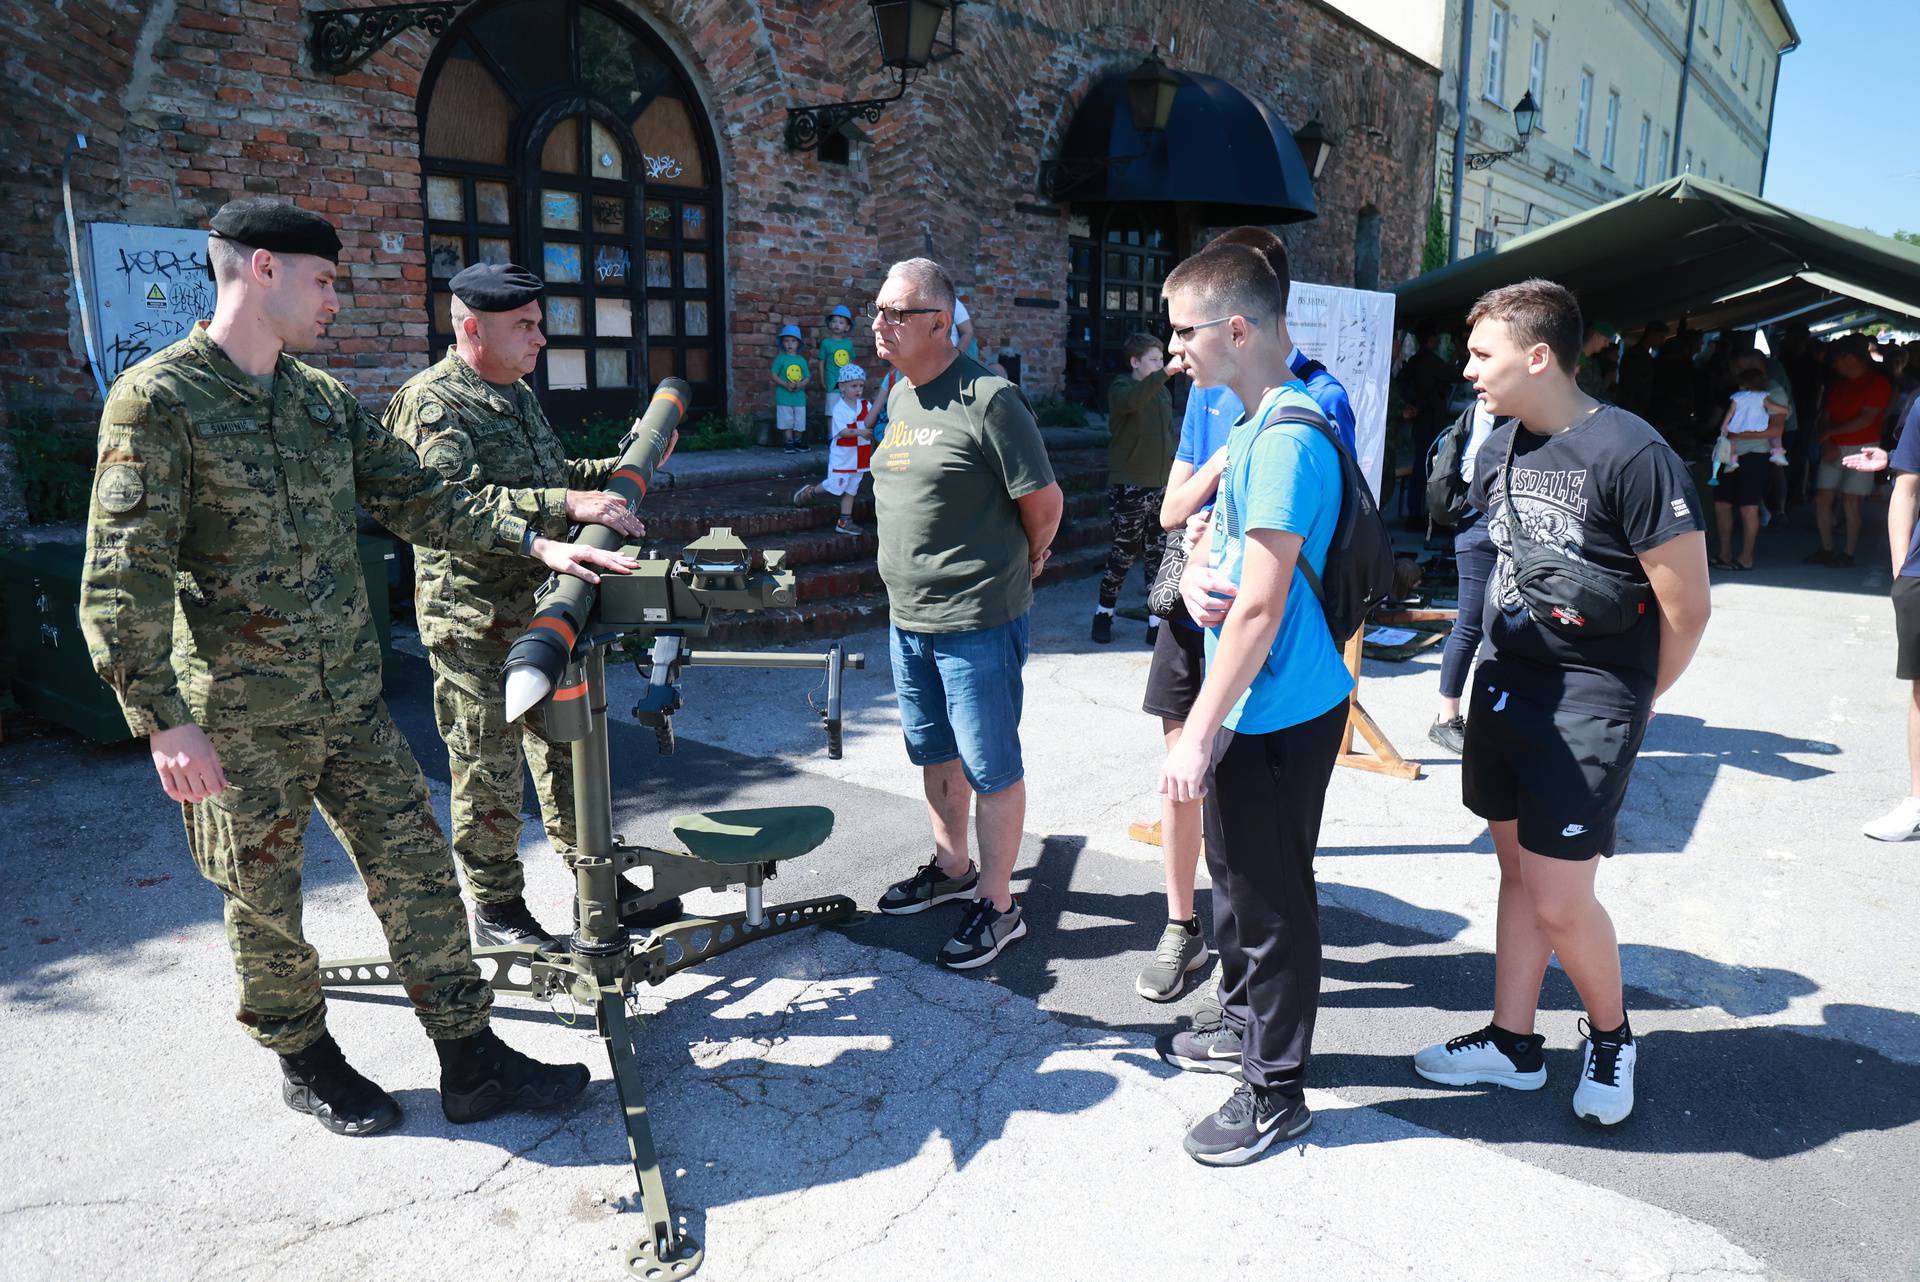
<point>189,103</point>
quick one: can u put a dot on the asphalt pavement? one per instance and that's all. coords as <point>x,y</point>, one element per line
<point>830,1104</point>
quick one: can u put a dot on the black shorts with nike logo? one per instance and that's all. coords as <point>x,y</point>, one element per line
<point>1561,773</point>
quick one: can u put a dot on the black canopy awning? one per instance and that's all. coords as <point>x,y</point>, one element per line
<point>1686,248</point>
<point>1222,146</point>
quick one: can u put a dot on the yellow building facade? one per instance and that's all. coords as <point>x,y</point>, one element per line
<point>1630,93</point>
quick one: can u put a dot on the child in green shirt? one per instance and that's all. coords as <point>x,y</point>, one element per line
<point>790,379</point>
<point>836,350</point>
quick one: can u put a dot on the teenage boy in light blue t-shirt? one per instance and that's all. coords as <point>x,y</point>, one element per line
<point>1179,654</point>
<point>1259,743</point>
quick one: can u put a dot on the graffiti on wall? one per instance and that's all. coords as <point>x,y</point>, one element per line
<point>146,286</point>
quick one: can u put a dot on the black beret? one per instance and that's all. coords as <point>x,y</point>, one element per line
<point>496,287</point>
<point>260,223</point>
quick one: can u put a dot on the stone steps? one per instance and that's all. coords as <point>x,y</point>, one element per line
<point>836,579</point>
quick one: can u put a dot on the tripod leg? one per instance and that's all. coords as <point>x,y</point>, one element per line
<point>667,1252</point>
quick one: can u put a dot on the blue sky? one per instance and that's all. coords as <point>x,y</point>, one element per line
<point>1845,143</point>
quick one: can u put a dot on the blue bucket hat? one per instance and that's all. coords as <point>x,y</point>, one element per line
<point>843,311</point>
<point>790,331</point>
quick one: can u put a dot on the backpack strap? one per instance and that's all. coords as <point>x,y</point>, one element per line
<point>1317,421</point>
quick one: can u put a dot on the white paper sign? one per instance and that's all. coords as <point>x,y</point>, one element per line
<point>1350,331</point>
<point>147,286</point>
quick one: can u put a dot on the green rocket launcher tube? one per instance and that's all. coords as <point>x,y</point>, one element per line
<point>539,655</point>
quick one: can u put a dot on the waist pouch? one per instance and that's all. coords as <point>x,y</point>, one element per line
<point>1571,597</point>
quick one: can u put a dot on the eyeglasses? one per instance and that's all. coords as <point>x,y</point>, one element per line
<point>1185,332</point>
<point>894,317</point>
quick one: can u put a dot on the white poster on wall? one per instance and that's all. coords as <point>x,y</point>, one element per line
<point>1350,331</point>
<point>147,286</point>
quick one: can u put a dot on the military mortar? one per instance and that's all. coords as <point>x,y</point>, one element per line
<point>559,663</point>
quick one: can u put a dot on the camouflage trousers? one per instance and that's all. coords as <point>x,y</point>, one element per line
<point>1136,533</point>
<point>484,755</point>
<point>250,841</point>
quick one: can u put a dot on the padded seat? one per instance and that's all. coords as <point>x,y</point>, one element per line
<point>753,836</point>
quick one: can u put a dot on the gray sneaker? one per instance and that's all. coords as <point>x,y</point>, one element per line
<point>928,887</point>
<point>1181,952</point>
<point>982,935</point>
<point>1209,1050</point>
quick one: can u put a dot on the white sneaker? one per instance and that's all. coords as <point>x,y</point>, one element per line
<point>1474,1059</point>
<point>1605,1093</point>
<point>1898,824</point>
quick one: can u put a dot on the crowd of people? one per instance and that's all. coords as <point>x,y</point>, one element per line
<point>229,472</point>
<point>1768,425</point>
<point>1247,677</point>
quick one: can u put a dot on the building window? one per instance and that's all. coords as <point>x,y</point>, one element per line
<point>1666,149</point>
<point>1613,128</point>
<point>1640,160</point>
<point>1583,114</point>
<point>1482,240</point>
<point>1496,53</point>
<point>1688,167</point>
<point>556,135</point>
<point>1537,76</point>
<point>1739,47</point>
<point>1719,22</point>
<point>1746,64</point>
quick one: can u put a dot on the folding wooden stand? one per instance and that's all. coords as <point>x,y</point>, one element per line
<point>1385,759</point>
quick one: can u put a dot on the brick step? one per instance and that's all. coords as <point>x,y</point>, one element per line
<point>819,543</point>
<point>846,566</point>
<point>765,507</point>
<point>844,615</point>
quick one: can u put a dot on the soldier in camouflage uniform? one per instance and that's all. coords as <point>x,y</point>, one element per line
<point>473,419</point>
<point>223,601</point>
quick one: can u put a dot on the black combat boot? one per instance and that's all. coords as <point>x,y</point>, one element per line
<point>511,922</point>
<point>322,1084</point>
<point>482,1075</point>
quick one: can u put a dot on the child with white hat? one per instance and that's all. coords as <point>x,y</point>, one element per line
<point>850,455</point>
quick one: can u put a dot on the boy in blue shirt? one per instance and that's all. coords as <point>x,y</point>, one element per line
<point>1259,742</point>
<point>1179,660</point>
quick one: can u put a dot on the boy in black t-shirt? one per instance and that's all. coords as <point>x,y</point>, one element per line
<point>1558,714</point>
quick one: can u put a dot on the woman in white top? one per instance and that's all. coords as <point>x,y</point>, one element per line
<point>1754,425</point>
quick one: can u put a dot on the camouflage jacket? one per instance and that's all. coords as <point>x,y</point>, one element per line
<point>222,582</point>
<point>470,608</point>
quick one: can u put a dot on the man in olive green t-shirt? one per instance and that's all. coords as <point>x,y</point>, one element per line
<point>966,508</point>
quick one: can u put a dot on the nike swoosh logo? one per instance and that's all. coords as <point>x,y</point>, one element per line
<point>1573,830</point>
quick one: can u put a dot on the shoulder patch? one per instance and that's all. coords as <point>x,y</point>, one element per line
<point>447,455</point>
<point>318,410</point>
<point>431,411</point>
<point>120,488</point>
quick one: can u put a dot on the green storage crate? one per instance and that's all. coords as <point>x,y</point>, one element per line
<point>51,673</point>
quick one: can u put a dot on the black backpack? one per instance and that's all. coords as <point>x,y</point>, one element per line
<point>1447,504</point>
<point>1359,576</point>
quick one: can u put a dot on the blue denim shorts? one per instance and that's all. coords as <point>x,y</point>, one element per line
<point>959,695</point>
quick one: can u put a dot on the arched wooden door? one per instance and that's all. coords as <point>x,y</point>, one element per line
<point>561,135</point>
<point>1117,255</point>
